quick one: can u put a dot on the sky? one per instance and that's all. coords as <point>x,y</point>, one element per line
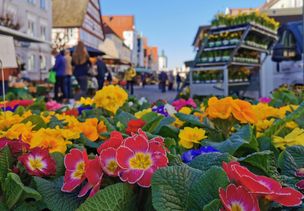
<point>172,24</point>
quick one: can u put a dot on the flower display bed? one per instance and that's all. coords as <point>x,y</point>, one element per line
<point>115,152</point>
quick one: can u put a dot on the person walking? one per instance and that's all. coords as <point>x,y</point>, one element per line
<point>59,68</point>
<point>171,81</point>
<point>178,81</point>
<point>163,81</point>
<point>82,64</point>
<point>68,74</point>
<point>101,71</point>
<point>130,76</point>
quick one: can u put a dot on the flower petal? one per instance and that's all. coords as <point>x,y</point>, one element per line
<point>137,143</point>
<point>145,181</point>
<point>123,156</point>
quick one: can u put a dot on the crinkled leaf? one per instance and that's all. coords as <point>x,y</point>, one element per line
<point>107,123</point>
<point>171,187</point>
<point>242,138</point>
<point>115,197</point>
<point>169,131</point>
<point>152,125</point>
<point>123,117</point>
<point>214,205</point>
<point>164,122</point>
<point>264,161</point>
<point>6,161</point>
<point>59,158</point>
<point>291,159</point>
<point>207,160</point>
<point>54,198</point>
<point>15,191</point>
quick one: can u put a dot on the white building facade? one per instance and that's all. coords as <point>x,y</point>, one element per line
<point>285,4</point>
<point>163,61</point>
<point>33,18</point>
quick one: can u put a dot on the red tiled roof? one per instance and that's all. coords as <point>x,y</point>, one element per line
<point>120,24</point>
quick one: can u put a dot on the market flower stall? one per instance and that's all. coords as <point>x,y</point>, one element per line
<point>115,152</point>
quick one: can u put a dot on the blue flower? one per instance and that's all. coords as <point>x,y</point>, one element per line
<point>160,110</point>
<point>191,154</point>
<point>84,108</point>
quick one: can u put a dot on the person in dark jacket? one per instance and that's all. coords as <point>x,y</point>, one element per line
<point>101,71</point>
<point>178,81</point>
<point>163,81</point>
<point>59,68</point>
<point>82,64</point>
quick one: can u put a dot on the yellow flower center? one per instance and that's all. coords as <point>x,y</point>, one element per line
<point>80,169</point>
<point>112,166</point>
<point>141,161</point>
<point>36,163</point>
<point>236,207</point>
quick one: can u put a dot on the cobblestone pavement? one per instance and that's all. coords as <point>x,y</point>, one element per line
<point>152,93</point>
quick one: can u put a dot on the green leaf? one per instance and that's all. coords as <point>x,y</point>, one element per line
<point>152,125</point>
<point>15,191</point>
<point>123,117</point>
<point>164,122</point>
<point>242,138</point>
<point>171,187</point>
<point>214,205</point>
<point>264,161</point>
<point>6,161</point>
<point>169,132</point>
<point>149,116</point>
<point>59,159</point>
<point>186,188</point>
<point>205,189</point>
<point>3,207</point>
<point>115,197</point>
<point>206,161</point>
<point>291,159</point>
<point>54,198</point>
<point>35,120</point>
<point>54,122</point>
<point>109,126</point>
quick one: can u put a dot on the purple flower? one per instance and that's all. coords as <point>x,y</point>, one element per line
<point>160,110</point>
<point>191,154</point>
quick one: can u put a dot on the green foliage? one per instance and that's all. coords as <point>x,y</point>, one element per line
<point>115,197</point>
<point>6,161</point>
<point>15,191</point>
<point>123,117</point>
<point>291,159</point>
<point>263,161</point>
<point>186,188</point>
<point>214,205</point>
<point>54,198</point>
<point>35,120</point>
<point>242,138</point>
<point>55,122</point>
<point>59,158</point>
<point>207,160</point>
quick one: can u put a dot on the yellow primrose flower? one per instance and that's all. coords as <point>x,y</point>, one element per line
<point>296,137</point>
<point>8,118</point>
<point>262,125</point>
<point>263,111</point>
<point>89,129</point>
<point>50,139</point>
<point>292,125</point>
<point>69,134</point>
<point>283,110</point>
<point>23,131</point>
<point>101,127</point>
<point>190,136</point>
<point>178,123</point>
<point>110,98</point>
<point>142,113</point>
<point>85,101</point>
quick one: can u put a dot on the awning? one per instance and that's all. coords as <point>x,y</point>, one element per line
<point>108,47</point>
<point>20,36</point>
<point>143,70</point>
<point>114,61</point>
<point>93,52</point>
<point>7,52</point>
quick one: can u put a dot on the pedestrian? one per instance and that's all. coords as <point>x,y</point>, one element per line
<point>171,81</point>
<point>59,69</point>
<point>68,74</point>
<point>178,81</point>
<point>143,79</point>
<point>101,71</point>
<point>109,77</point>
<point>82,64</point>
<point>163,81</point>
<point>130,77</point>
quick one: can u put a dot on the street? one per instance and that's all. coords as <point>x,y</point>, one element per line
<point>152,93</point>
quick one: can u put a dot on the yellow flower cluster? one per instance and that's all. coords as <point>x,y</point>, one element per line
<point>178,123</point>
<point>190,136</point>
<point>111,98</point>
<point>296,137</point>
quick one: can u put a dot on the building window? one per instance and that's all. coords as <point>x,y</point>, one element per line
<point>31,62</point>
<point>43,4</point>
<point>42,62</point>
<point>31,28</point>
<point>43,32</point>
<point>31,1</point>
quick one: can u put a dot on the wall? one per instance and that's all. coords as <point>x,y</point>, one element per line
<point>35,19</point>
<point>287,4</point>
